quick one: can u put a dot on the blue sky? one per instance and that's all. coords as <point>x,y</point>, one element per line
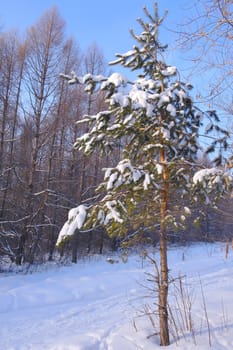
<point>105,22</point>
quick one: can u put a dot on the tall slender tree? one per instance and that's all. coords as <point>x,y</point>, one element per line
<point>12,55</point>
<point>12,59</point>
<point>155,120</point>
<point>45,42</point>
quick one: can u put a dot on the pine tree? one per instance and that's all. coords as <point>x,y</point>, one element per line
<point>158,126</point>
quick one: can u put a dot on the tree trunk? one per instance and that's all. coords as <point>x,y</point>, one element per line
<point>101,247</point>
<point>74,246</point>
<point>163,283</point>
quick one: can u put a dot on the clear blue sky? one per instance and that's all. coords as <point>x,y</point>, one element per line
<point>106,22</point>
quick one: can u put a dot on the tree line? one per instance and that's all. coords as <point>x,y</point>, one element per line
<point>41,175</point>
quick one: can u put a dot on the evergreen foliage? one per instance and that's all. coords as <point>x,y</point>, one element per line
<point>158,126</point>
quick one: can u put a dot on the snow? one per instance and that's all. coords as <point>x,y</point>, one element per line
<point>187,211</point>
<point>164,99</point>
<point>126,173</point>
<point>119,98</point>
<point>96,305</point>
<point>145,83</point>
<point>146,182</point>
<point>171,109</point>
<point>89,77</point>
<point>128,119</point>
<point>76,218</point>
<point>169,71</point>
<point>165,133</point>
<point>125,165</point>
<point>123,173</point>
<point>116,79</point>
<point>202,174</point>
<point>111,180</point>
<point>138,97</point>
<point>159,169</point>
<point>113,214</point>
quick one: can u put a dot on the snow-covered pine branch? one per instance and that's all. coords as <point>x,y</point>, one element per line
<point>211,183</point>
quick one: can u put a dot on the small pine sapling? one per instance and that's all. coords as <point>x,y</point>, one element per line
<point>155,121</point>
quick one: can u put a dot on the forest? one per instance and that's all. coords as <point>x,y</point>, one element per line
<point>42,176</point>
<point>94,164</point>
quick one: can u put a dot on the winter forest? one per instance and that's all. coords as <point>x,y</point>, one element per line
<point>95,163</point>
<point>42,175</point>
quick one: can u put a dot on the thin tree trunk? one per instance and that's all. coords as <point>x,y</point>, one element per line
<point>101,247</point>
<point>163,283</point>
<point>74,244</point>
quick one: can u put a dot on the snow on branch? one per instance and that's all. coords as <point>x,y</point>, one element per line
<point>76,219</point>
<point>204,174</point>
<point>212,180</point>
<point>125,174</point>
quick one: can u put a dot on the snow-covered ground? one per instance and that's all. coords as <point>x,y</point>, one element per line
<point>95,305</point>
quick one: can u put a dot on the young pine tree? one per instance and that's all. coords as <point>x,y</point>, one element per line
<point>155,121</point>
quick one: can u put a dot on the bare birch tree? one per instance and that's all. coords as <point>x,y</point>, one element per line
<point>206,37</point>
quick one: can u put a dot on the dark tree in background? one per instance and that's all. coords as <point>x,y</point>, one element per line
<point>41,175</point>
